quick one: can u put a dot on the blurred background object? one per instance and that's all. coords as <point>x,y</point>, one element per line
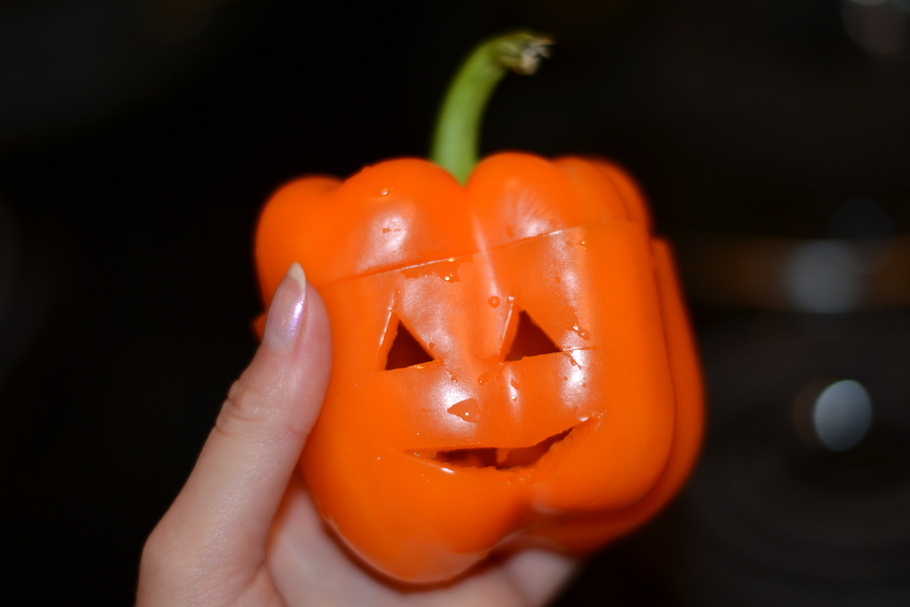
<point>881,27</point>
<point>139,138</point>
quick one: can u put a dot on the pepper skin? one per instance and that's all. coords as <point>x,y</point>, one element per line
<point>513,365</point>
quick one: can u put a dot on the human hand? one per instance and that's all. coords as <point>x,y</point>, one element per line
<point>244,530</point>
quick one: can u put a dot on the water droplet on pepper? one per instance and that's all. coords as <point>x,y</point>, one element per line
<point>468,410</point>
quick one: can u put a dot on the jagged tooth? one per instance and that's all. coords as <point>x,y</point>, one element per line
<point>501,455</point>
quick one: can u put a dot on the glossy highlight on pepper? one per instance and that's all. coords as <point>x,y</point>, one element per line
<point>513,365</point>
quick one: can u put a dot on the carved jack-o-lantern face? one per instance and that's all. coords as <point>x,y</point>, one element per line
<point>512,365</point>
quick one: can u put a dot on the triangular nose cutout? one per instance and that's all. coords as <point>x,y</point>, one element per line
<point>530,340</point>
<point>406,351</point>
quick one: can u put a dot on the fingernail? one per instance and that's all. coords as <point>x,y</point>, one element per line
<point>286,311</point>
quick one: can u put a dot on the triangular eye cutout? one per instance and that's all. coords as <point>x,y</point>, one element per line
<point>530,340</point>
<point>405,351</point>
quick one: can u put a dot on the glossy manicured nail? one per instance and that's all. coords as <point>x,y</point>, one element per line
<point>286,312</point>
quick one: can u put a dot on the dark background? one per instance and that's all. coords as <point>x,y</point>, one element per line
<point>138,140</point>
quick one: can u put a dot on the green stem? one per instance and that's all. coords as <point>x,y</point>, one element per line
<point>455,141</point>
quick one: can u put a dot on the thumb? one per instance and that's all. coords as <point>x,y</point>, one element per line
<point>228,504</point>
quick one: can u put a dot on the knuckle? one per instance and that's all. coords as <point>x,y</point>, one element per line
<point>238,409</point>
<point>244,405</point>
<point>157,555</point>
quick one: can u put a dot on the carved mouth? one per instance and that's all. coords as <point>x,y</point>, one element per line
<point>501,458</point>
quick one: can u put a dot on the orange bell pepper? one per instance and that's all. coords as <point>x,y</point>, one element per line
<point>513,365</point>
